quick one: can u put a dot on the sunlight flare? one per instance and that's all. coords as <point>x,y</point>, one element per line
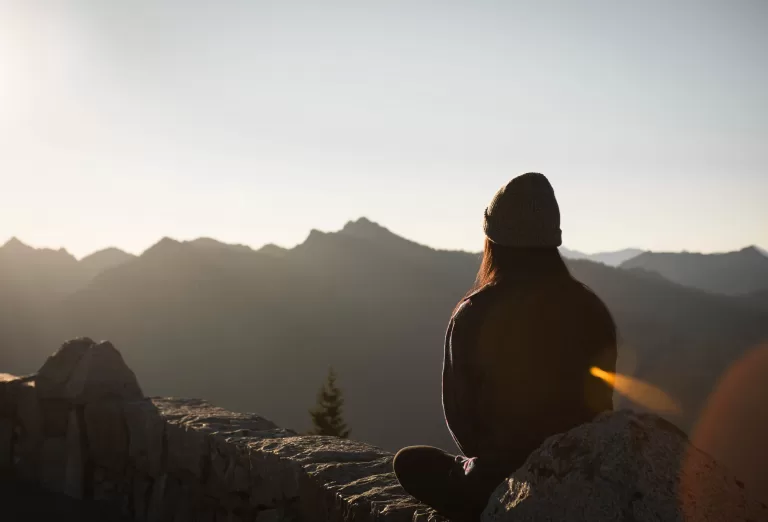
<point>639,392</point>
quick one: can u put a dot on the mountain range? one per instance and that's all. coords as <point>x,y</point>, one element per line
<point>614,258</point>
<point>735,273</point>
<point>255,330</point>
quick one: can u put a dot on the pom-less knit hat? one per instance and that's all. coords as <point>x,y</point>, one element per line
<point>524,213</point>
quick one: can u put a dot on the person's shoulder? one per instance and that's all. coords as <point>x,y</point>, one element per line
<point>591,304</point>
<point>474,303</point>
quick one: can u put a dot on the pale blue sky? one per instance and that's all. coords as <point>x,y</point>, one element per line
<point>253,122</point>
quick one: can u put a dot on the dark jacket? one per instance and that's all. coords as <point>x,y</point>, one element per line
<point>517,366</point>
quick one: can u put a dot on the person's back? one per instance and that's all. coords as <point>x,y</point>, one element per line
<point>517,359</point>
<point>518,367</point>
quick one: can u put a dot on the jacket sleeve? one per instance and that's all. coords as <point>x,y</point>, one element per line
<point>599,394</point>
<point>460,383</point>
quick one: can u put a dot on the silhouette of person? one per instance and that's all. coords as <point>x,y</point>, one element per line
<point>518,353</point>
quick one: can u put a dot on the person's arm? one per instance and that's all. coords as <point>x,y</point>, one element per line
<point>460,382</point>
<point>604,354</point>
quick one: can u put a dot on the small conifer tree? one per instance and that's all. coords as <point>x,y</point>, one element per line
<point>326,416</point>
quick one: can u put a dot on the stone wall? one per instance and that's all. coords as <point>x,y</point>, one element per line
<point>82,427</point>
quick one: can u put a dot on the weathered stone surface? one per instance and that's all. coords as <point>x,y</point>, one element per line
<point>74,475</point>
<point>146,429</point>
<point>28,411</point>
<point>7,400</point>
<point>107,434</point>
<point>157,500</point>
<point>57,370</point>
<point>53,464</point>
<point>101,374</point>
<point>333,479</point>
<point>268,515</point>
<point>142,490</point>
<point>184,459</point>
<point>191,424</point>
<point>354,491</point>
<point>622,466</point>
<point>55,414</point>
<point>6,445</point>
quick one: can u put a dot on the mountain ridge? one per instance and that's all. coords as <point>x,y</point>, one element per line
<point>732,273</point>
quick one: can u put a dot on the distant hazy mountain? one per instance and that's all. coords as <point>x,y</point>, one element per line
<point>273,250</point>
<point>734,273</point>
<point>206,242</point>
<point>102,260</point>
<point>42,271</point>
<point>607,258</point>
<point>255,331</point>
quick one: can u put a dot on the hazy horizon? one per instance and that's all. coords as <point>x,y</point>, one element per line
<point>254,122</point>
<point>258,246</point>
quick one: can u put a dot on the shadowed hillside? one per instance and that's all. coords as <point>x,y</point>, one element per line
<point>730,273</point>
<point>256,330</point>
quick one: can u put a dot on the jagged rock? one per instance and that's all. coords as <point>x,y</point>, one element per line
<point>53,464</point>
<point>91,435</point>
<point>7,400</point>
<point>101,374</point>
<point>28,411</point>
<point>55,413</point>
<point>107,434</point>
<point>622,466</point>
<point>6,445</point>
<point>57,370</point>
<point>74,475</point>
<point>146,429</point>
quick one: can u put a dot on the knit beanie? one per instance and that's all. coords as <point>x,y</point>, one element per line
<point>524,213</point>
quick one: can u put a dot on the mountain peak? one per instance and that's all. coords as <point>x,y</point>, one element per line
<point>273,250</point>
<point>207,242</point>
<point>166,244</point>
<point>366,229</point>
<point>752,250</point>
<point>16,245</point>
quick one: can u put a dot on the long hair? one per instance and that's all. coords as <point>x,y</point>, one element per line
<point>518,265</point>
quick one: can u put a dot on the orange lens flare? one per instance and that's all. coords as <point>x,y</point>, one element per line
<point>639,392</point>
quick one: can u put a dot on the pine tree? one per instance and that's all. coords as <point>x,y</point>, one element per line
<point>326,416</point>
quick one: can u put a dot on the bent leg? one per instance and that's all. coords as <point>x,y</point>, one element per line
<point>437,479</point>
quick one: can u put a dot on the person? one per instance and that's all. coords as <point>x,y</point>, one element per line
<point>518,353</point>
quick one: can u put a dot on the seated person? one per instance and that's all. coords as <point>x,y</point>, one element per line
<point>518,353</point>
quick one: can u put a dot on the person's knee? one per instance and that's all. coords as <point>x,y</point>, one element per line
<point>404,460</point>
<point>420,460</point>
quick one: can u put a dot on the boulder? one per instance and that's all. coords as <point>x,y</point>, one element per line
<point>622,466</point>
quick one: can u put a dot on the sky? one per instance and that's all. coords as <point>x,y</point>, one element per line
<point>253,122</point>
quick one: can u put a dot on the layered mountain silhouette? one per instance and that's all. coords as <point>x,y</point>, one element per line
<point>733,273</point>
<point>614,258</point>
<point>255,330</point>
<point>103,260</point>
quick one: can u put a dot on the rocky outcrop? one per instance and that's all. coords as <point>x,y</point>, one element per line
<point>82,427</point>
<point>623,466</point>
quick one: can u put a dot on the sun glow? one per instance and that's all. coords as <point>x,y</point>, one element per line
<point>639,392</point>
